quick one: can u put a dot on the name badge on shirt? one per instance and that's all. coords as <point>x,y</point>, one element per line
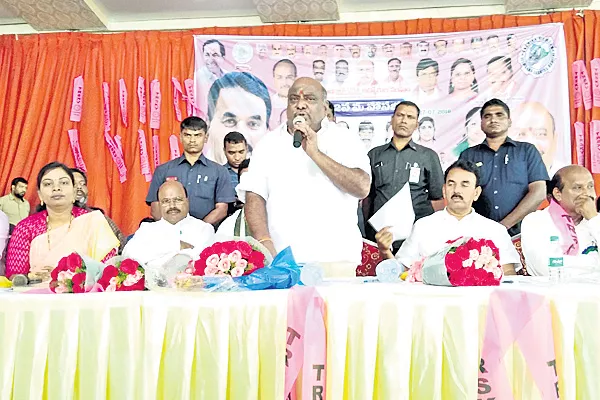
<point>415,174</point>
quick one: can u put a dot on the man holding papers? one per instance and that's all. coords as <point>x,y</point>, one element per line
<point>431,233</point>
<point>401,161</point>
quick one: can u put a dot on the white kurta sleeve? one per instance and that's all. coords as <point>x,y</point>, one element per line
<point>508,252</point>
<point>256,179</point>
<point>409,251</point>
<point>533,243</point>
<point>150,243</point>
<point>204,236</point>
<point>348,150</point>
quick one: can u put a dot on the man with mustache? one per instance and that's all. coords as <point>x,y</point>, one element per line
<point>430,234</point>
<point>207,183</point>
<point>14,204</point>
<point>571,216</point>
<point>513,175</point>
<point>306,197</point>
<point>402,161</point>
<point>341,73</point>
<point>177,232</point>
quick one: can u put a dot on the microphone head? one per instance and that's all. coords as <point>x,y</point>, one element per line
<point>299,119</point>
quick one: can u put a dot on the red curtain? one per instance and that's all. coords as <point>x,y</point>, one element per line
<point>37,72</point>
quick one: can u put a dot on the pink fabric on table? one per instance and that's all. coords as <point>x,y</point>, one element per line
<point>522,319</point>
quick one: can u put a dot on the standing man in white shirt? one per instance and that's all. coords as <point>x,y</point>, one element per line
<point>306,197</point>
<point>430,234</point>
<point>571,216</point>
<point>176,232</point>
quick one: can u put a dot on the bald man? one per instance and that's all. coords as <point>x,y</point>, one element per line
<point>306,197</point>
<point>571,216</point>
<point>177,232</point>
<point>534,124</point>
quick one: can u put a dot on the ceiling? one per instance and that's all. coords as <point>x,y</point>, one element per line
<point>29,16</point>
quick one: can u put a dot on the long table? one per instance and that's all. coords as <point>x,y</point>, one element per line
<point>385,341</point>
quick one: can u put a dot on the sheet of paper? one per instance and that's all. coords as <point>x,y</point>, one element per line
<point>398,213</point>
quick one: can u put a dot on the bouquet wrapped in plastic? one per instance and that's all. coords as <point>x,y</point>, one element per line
<point>232,265</point>
<point>462,262</point>
<point>122,275</point>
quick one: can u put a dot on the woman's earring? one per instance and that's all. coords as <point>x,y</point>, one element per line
<point>42,203</point>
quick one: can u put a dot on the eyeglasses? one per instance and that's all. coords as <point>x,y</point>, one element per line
<point>176,201</point>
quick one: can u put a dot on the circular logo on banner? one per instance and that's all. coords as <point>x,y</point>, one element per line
<point>76,108</point>
<point>538,55</point>
<point>242,53</point>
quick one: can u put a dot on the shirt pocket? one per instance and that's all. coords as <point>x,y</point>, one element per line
<point>384,175</point>
<point>206,189</point>
<point>485,173</point>
<point>517,172</point>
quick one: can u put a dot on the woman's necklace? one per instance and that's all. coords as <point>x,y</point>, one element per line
<point>49,228</point>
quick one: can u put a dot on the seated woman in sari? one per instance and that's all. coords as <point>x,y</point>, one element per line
<point>58,229</point>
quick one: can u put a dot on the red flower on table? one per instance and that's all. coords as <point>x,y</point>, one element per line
<point>79,282</point>
<point>129,266</point>
<point>72,263</point>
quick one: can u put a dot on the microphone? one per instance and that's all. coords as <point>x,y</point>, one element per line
<point>298,134</point>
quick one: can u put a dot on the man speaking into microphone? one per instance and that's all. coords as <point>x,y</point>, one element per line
<point>303,184</point>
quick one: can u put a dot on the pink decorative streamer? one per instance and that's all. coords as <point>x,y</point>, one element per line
<point>577,95</point>
<point>77,103</point>
<point>106,96</point>
<point>306,347</point>
<point>123,101</point>
<point>141,91</point>
<point>595,65</point>
<point>144,159</point>
<point>580,142</point>
<point>119,144</point>
<point>586,86</point>
<point>563,221</point>
<point>155,104</point>
<point>505,327</point>
<point>174,147</point>
<point>116,156</point>
<point>177,93</point>
<point>156,150</point>
<point>191,97</point>
<point>595,145</point>
<point>76,149</point>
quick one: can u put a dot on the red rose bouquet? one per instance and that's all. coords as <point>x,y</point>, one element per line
<point>234,258</point>
<point>220,262</point>
<point>122,275</point>
<point>463,262</point>
<point>69,276</point>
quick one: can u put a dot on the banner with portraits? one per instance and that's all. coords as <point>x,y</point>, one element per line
<point>241,84</point>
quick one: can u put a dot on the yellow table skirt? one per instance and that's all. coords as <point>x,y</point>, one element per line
<point>384,342</point>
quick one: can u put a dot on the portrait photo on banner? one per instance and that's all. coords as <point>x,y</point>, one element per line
<point>241,84</point>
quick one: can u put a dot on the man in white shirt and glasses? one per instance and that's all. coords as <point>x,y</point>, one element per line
<point>571,216</point>
<point>177,232</point>
<point>430,234</point>
<point>306,197</point>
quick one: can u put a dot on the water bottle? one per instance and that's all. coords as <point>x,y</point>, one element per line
<point>311,275</point>
<point>388,271</point>
<point>556,268</point>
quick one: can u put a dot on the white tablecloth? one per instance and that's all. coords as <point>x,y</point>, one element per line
<point>385,341</point>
